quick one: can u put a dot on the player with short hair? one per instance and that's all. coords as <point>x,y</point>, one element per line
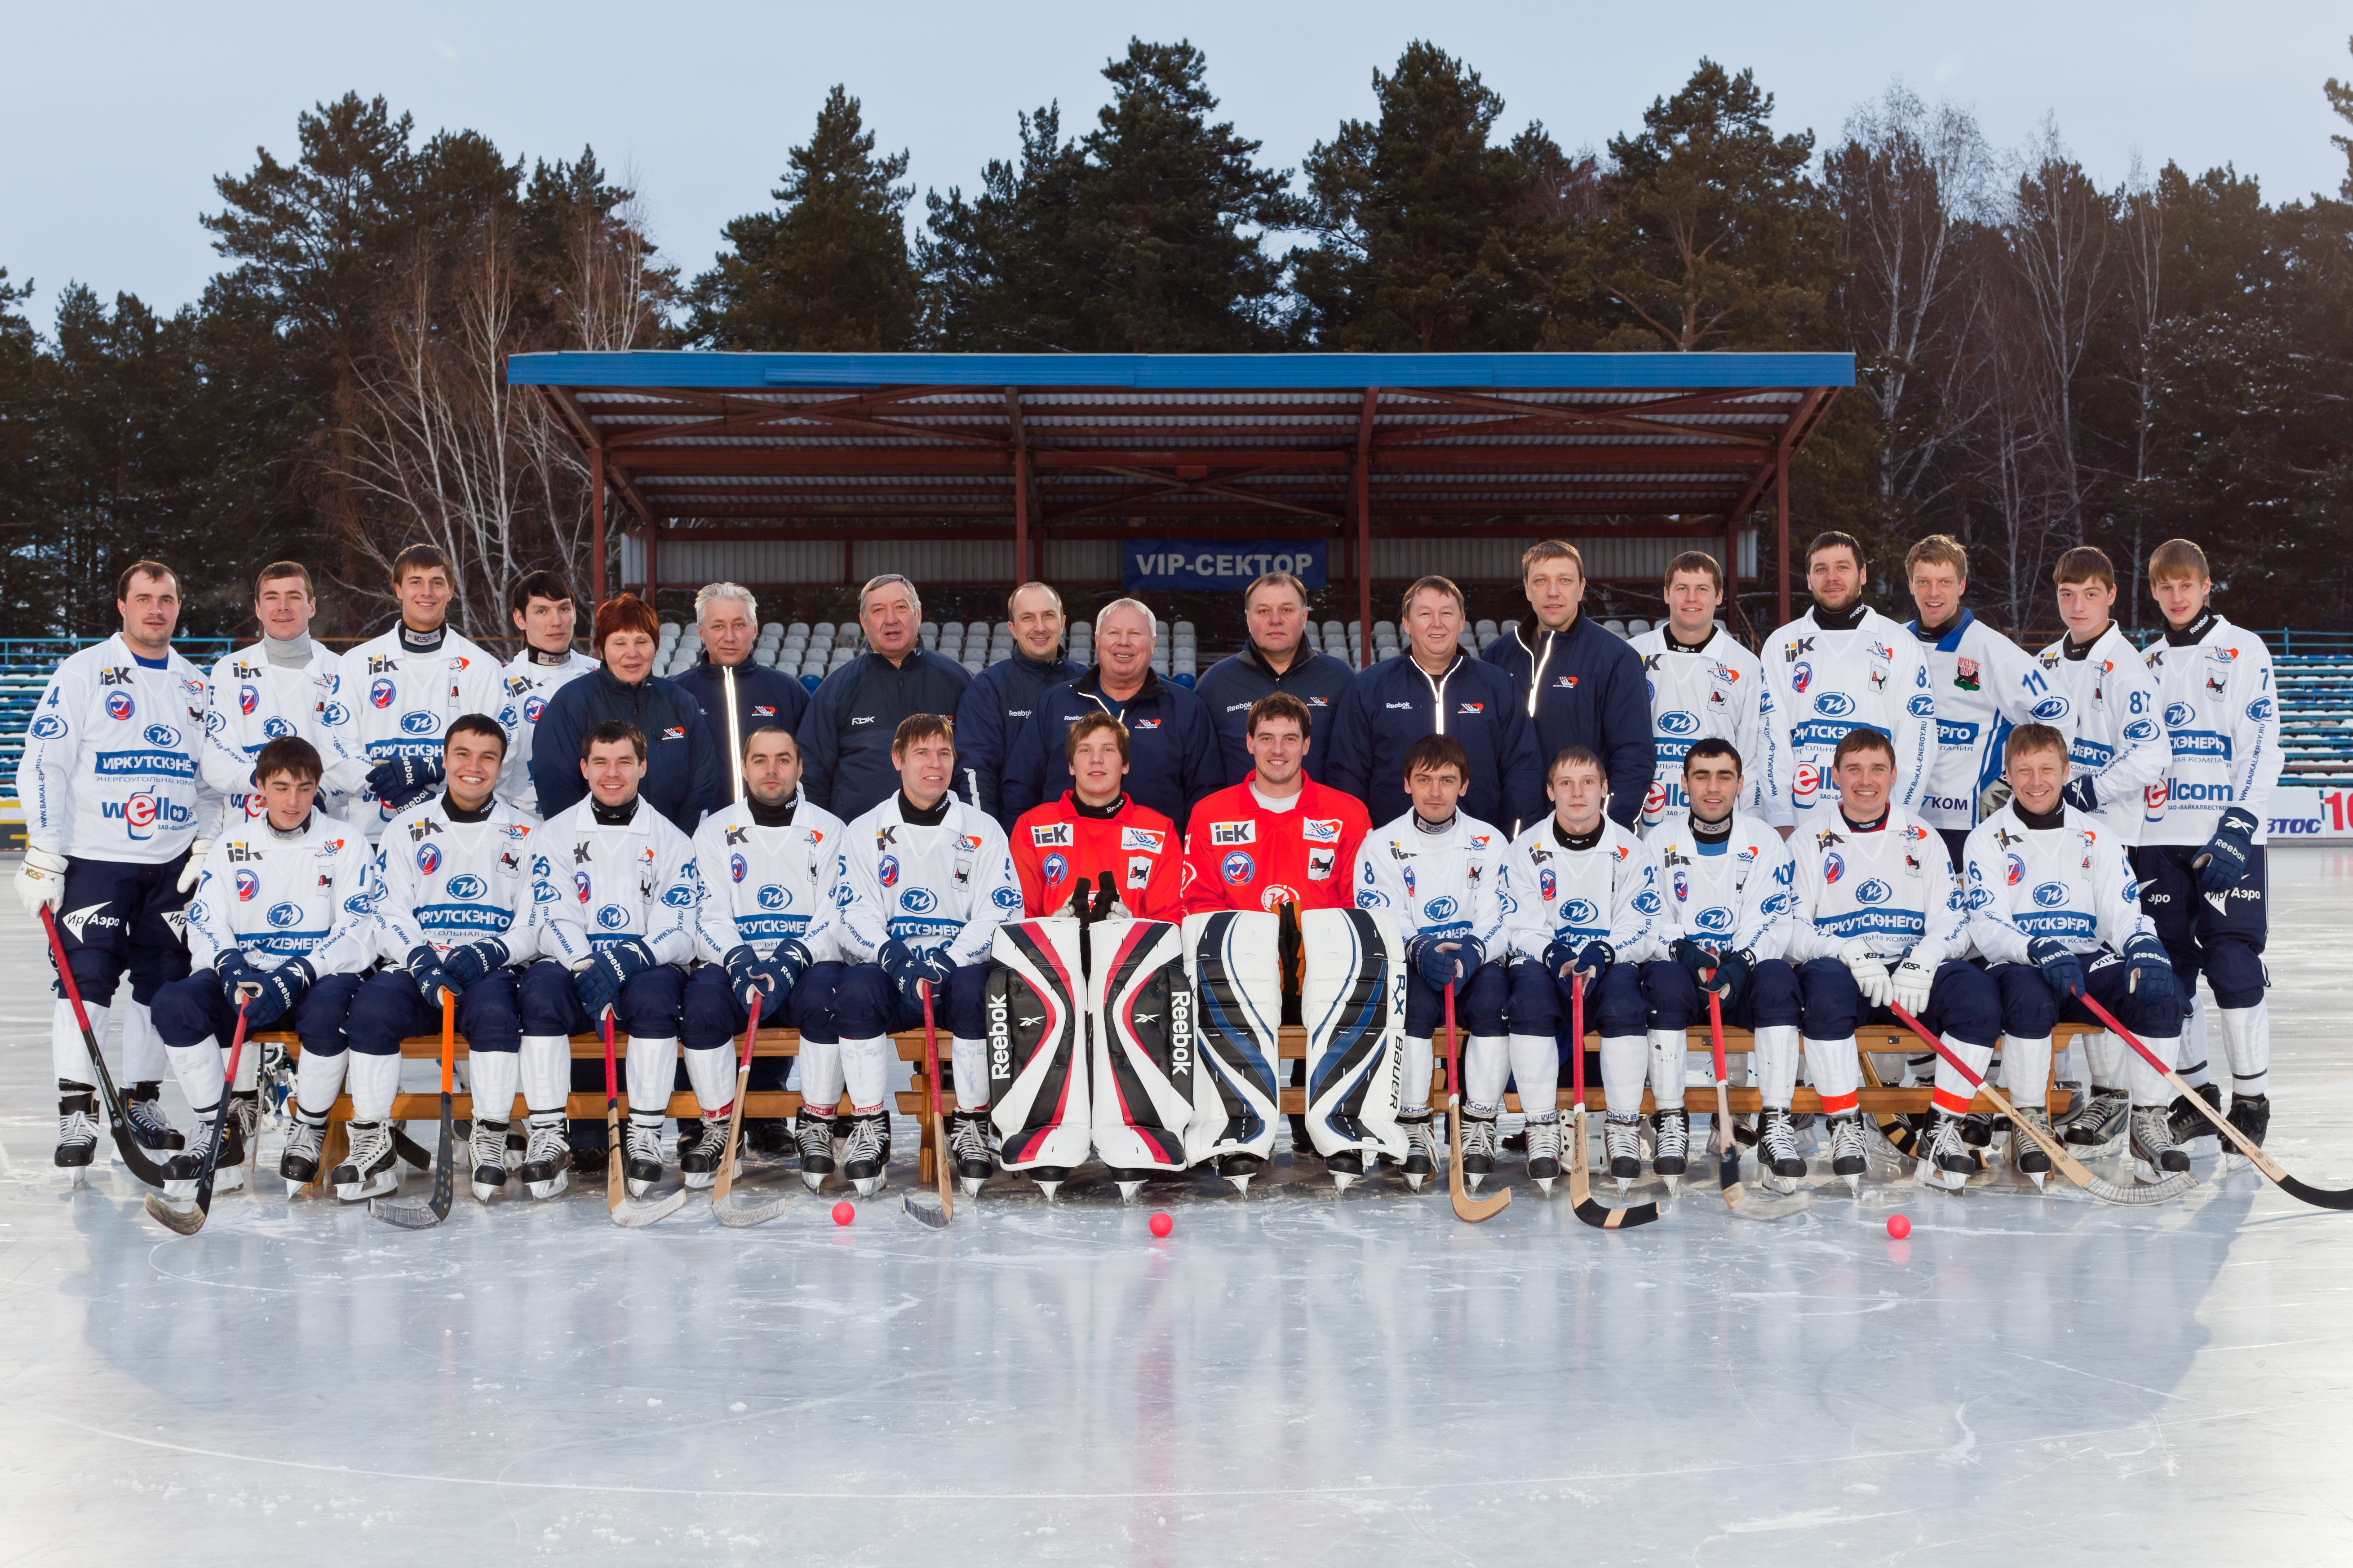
<point>2055,906</point>
<point>772,894</point>
<point>1439,873</point>
<point>1702,683</point>
<point>1878,920</point>
<point>543,609</point>
<point>115,806</point>
<point>455,915</point>
<point>616,897</point>
<point>1587,903</point>
<point>929,879</point>
<point>286,684</point>
<point>1725,877</point>
<point>1062,850</point>
<point>404,685</point>
<point>2202,857</point>
<point>283,923</point>
<point>1277,837</point>
<point>1840,666</point>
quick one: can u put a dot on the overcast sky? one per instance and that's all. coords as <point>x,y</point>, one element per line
<point>114,119</point>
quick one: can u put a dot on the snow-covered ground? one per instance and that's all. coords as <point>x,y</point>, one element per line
<point>1288,1379</point>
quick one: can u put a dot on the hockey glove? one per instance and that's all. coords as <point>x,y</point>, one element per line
<point>2080,794</point>
<point>1597,957</point>
<point>791,960</point>
<point>274,992</point>
<point>1909,986</point>
<point>742,963</point>
<point>932,964</point>
<point>426,968</point>
<point>2061,971</point>
<point>1691,956</point>
<point>401,782</point>
<point>191,870</point>
<point>233,968</point>
<point>466,965</point>
<point>41,881</point>
<point>598,986</point>
<point>1559,958</point>
<point>1992,798</point>
<point>2224,860</point>
<point>1870,971</point>
<point>2149,974</point>
<point>896,958</point>
<point>1732,975</point>
<point>1443,961</point>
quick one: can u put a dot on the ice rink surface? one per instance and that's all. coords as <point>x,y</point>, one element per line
<point>1288,1379</point>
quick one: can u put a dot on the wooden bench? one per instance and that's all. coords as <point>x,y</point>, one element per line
<point>589,1105</point>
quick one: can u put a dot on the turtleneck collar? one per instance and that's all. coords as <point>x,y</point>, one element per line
<point>1567,840</point>
<point>2078,651</point>
<point>1937,633</point>
<point>1435,828</point>
<point>2194,633</point>
<point>456,813</point>
<point>2041,820</point>
<point>414,641</point>
<point>555,660</point>
<point>914,815</point>
<point>290,653</point>
<point>1874,826</point>
<point>1845,620</point>
<point>295,832</point>
<point>1711,832</point>
<point>1104,813</point>
<point>619,815</point>
<point>777,815</point>
<point>1677,645</point>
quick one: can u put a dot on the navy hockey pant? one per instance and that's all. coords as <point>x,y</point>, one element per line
<point>869,1005</point>
<point>2029,1007</point>
<point>190,1010</point>
<point>1964,1003</point>
<point>115,915</point>
<point>649,1005</point>
<point>2226,946</point>
<point>715,1015</point>
<point>1769,1000</point>
<point>389,1009</point>
<point>1477,1005</point>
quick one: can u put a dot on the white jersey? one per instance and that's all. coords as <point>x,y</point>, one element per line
<point>1441,884</point>
<point>402,703</point>
<point>949,886</point>
<point>255,702</point>
<point>1728,896</point>
<point>1893,888</point>
<point>109,770</point>
<point>1984,686</point>
<point>2070,883</point>
<point>1718,691</point>
<point>444,883</point>
<point>763,885</point>
<point>1608,892</point>
<point>525,685</point>
<point>281,896</point>
<point>2223,719</point>
<point>600,885</point>
<point>1825,683</point>
<point>2111,725</point>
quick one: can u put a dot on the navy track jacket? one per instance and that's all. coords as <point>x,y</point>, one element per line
<point>764,697</point>
<point>1396,703</point>
<point>846,730</point>
<point>1589,691</point>
<point>989,719</point>
<point>1172,751</point>
<point>682,772</point>
<point>1234,683</point>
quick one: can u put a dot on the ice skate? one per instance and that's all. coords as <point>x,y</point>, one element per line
<point>1344,1166</point>
<point>144,1109</point>
<point>487,1144</point>
<point>369,1170</point>
<point>2155,1154</point>
<point>2078,1104</point>
<point>1946,1162</point>
<point>1777,1151</point>
<point>643,1159</point>
<point>1671,1147</point>
<point>2189,1124</point>
<point>814,1133</point>
<point>183,1170</point>
<point>1544,1153</point>
<point>700,1157</point>
<point>299,1162</point>
<point>968,1152</point>
<point>866,1159</point>
<point>78,1133</point>
<point>1237,1168</point>
<point>1847,1159</point>
<point>547,1160</point>
<point>1977,1130</point>
<point>588,1160</point>
<point>1420,1161</point>
<point>2026,1155</point>
<point>2252,1115</point>
<point>1621,1146</point>
<point>2105,1112</point>
<point>1479,1148</point>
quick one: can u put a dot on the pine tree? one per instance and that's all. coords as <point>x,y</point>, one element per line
<point>998,270</point>
<point>827,268</point>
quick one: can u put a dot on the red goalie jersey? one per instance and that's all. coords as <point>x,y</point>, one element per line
<point>1240,856</point>
<point>1061,847</point>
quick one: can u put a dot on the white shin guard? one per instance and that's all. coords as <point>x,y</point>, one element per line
<point>68,1054</point>
<point>1487,1065</point>
<point>1775,1061</point>
<point>1535,1059</point>
<point>143,1048</point>
<point>545,1065</point>
<point>494,1076</point>
<point>711,1072</point>
<point>866,1071</point>
<point>970,1061</point>
<point>2103,1054</point>
<point>2247,1036</point>
<point>373,1081</point>
<point>2192,1061</point>
<point>1954,1093</point>
<point>1667,1049</point>
<point>1625,1063</point>
<point>652,1069</point>
<point>2025,1069</point>
<point>318,1079</point>
<point>819,1066</point>
<point>1836,1072</point>
<point>199,1068</point>
<point>1413,1089</point>
<point>2146,1083</point>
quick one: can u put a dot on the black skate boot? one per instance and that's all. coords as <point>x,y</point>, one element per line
<point>547,1158</point>
<point>588,1160</point>
<point>642,1154</point>
<point>699,1159</point>
<point>1777,1151</point>
<point>2187,1122</point>
<point>2027,1156</point>
<point>1847,1161</point>
<point>1622,1142</point>
<point>814,1133</point>
<point>76,1127</point>
<point>1479,1148</point>
<point>1420,1161</point>
<point>1977,1130</point>
<point>968,1152</point>
<point>1945,1158</point>
<point>2155,1154</point>
<point>866,1159</point>
<point>1671,1146</point>
<point>2106,1110</point>
<point>2252,1115</point>
<point>1238,1168</point>
<point>1543,1141</point>
<point>487,1146</point>
<point>299,1162</point>
<point>1344,1166</point>
<point>371,1170</point>
<point>142,1107</point>
<point>769,1137</point>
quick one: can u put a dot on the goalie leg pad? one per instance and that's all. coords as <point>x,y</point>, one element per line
<point>1141,1008</point>
<point>1237,1009</point>
<point>1035,1009</point>
<point>1352,998</point>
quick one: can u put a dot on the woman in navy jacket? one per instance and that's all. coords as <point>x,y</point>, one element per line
<point>682,778</point>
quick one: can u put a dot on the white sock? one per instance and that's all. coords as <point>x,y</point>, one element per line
<point>866,1072</point>
<point>1774,1061</point>
<point>2025,1069</point>
<point>1413,1090</point>
<point>318,1079</point>
<point>711,1070</point>
<point>2247,1035</point>
<point>1486,1066</point>
<point>970,1061</point>
<point>199,1068</point>
<point>373,1081</point>
<point>1535,1061</point>
<point>651,1069</point>
<point>142,1048</point>
<point>1667,1050</point>
<point>1625,1063</point>
<point>495,1074</point>
<point>820,1070</point>
<point>2193,1065</point>
<point>2148,1085</point>
<point>1836,1073</point>
<point>2106,1054</point>
<point>544,1064</point>
<point>68,1054</point>
<point>1954,1093</point>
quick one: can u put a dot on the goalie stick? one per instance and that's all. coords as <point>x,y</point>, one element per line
<point>2068,1166</point>
<point>1747,1205</point>
<point>1600,1215</point>
<point>1465,1206</point>
<point>127,1148</point>
<point>413,1216</point>
<point>2319,1197</point>
<point>625,1209</point>
<point>937,1218</point>
<point>188,1221</point>
<point>738,1216</point>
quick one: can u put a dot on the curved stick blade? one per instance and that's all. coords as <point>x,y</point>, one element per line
<point>183,1222</point>
<point>1588,1209</point>
<point>738,1214</point>
<point>924,1214</point>
<point>635,1213</point>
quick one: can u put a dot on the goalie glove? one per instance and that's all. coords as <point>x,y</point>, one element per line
<point>41,881</point>
<point>1909,986</point>
<point>2149,969</point>
<point>192,872</point>
<point>1870,971</point>
<point>2224,860</point>
<point>2061,970</point>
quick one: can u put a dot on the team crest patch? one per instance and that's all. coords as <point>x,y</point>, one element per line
<point>969,844</point>
<point>1238,867</point>
<point>1139,870</point>
<point>1965,674</point>
<point>1471,709</point>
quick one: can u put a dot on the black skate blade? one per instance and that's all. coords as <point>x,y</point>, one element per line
<point>634,1214</point>
<point>924,1214</point>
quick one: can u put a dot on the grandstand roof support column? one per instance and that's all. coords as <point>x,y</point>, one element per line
<point>1360,501</point>
<point>596,515</point>
<point>1781,525</point>
<point>1024,568</point>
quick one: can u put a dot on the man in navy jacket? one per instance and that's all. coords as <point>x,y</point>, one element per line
<point>1580,683</point>
<point>728,620</point>
<point>1438,690</point>
<point>1001,697</point>
<point>1276,659</point>
<point>1172,751</point>
<point>846,732</point>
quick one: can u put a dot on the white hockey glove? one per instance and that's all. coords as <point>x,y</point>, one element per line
<point>1910,983</point>
<point>41,881</point>
<point>195,866</point>
<point>1870,971</point>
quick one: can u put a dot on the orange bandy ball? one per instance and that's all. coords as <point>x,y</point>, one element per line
<point>844,1212</point>
<point>1898,1227</point>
